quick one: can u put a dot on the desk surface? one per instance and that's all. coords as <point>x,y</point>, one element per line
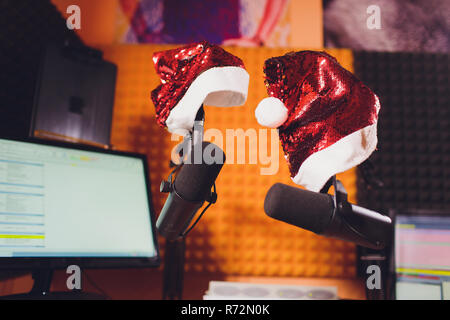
<point>147,284</point>
<point>352,289</point>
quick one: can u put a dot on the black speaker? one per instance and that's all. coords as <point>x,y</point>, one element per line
<point>51,84</point>
<point>74,96</point>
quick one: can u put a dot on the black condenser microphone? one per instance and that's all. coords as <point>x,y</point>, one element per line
<point>191,188</point>
<point>328,215</point>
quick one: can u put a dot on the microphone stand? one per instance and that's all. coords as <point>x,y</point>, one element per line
<point>173,275</point>
<point>377,258</point>
<point>174,256</point>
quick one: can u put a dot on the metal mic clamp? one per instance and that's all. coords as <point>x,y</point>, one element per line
<point>193,137</point>
<point>347,219</point>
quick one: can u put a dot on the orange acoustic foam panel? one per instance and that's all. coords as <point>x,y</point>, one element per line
<point>234,237</point>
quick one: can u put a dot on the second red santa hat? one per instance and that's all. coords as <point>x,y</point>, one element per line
<point>326,117</point>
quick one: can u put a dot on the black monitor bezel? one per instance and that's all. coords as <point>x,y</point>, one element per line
<point>32,263</point>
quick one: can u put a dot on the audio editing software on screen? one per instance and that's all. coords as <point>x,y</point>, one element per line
<point>422,257</point>
<point>64,202</point>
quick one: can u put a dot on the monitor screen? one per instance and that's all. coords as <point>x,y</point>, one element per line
<point>63,201</point>
<point>422,257</point>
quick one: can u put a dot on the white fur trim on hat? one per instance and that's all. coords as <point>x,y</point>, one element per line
<point>218,86</point>
<point>340,156</point>
<point>271,112</point>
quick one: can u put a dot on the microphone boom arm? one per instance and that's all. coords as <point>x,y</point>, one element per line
<point>348,217</point>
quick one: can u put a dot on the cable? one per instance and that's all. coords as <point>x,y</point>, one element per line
<point>96,286</point>
<point>199,217</point>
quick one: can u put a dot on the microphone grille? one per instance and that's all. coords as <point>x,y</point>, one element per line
<point>195,179</point>
<point>302,208</point>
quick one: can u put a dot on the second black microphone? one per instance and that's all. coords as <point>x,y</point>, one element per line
<point>317,212</point>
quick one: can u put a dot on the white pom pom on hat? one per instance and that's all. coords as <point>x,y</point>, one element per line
<point>271,112</point>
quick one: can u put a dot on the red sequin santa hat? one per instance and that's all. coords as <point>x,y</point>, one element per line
<point>193,75</point>
<point>326,117</point>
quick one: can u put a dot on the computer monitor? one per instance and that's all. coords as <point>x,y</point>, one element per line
<point>63,204</point>
<point>422,255</point>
